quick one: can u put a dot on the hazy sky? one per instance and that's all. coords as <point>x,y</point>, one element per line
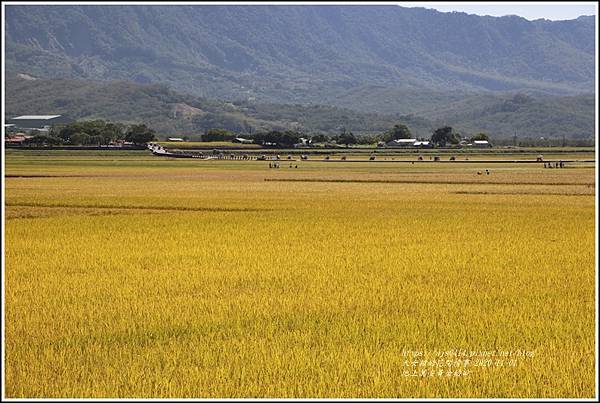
<point>530,11</point>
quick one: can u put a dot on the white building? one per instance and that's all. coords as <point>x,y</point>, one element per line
<point>38,122</point>
<point>401,143</point>
<point>422,144</point>
<point>481,144</point>
<point>409,143</point>
<point>303,143</point>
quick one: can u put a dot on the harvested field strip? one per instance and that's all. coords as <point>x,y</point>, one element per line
<point>428,182</point>
<point>162,208</point>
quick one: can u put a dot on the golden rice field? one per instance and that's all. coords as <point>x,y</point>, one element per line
<point>128,275</point>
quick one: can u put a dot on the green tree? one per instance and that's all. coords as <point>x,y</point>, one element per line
<point>139,134</point>
<point>347,138</point>
<point>43,139</point>
<point>399,131</point>
<point>289,138</point>
<point>79,138</point>
<point>281,139</point>
<point>443,136</point>
<point>218,135</point>
<point>97,140</point>
<point>66,131</point>
<point>367,139</point>
<point>107,130</point>
<point>480,136</point>
<point>112,132</point>
<point>320,138</point>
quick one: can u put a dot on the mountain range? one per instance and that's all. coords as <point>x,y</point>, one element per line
<point>377,61</point>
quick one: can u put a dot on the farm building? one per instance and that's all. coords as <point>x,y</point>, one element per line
<point>401,143</point>
<point>303,143</point>
<point>423,144</point>
<point>409,143</point>
<point>242,140</point>
<point>39,122</point>
<point>17,138</point>
<point>174,139</point>
<point>481,144</point>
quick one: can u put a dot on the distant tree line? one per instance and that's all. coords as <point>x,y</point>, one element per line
<point>101,132</point>
<point>94,132</point>
<point>441,137</point>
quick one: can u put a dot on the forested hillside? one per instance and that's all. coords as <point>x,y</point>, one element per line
<point>171,112</point>
<point>399,57</point>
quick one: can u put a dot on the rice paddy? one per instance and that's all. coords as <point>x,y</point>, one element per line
<point>128,275</point>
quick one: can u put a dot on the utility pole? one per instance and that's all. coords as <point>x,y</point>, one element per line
<point>564,142</point>
<point>515,139</point>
